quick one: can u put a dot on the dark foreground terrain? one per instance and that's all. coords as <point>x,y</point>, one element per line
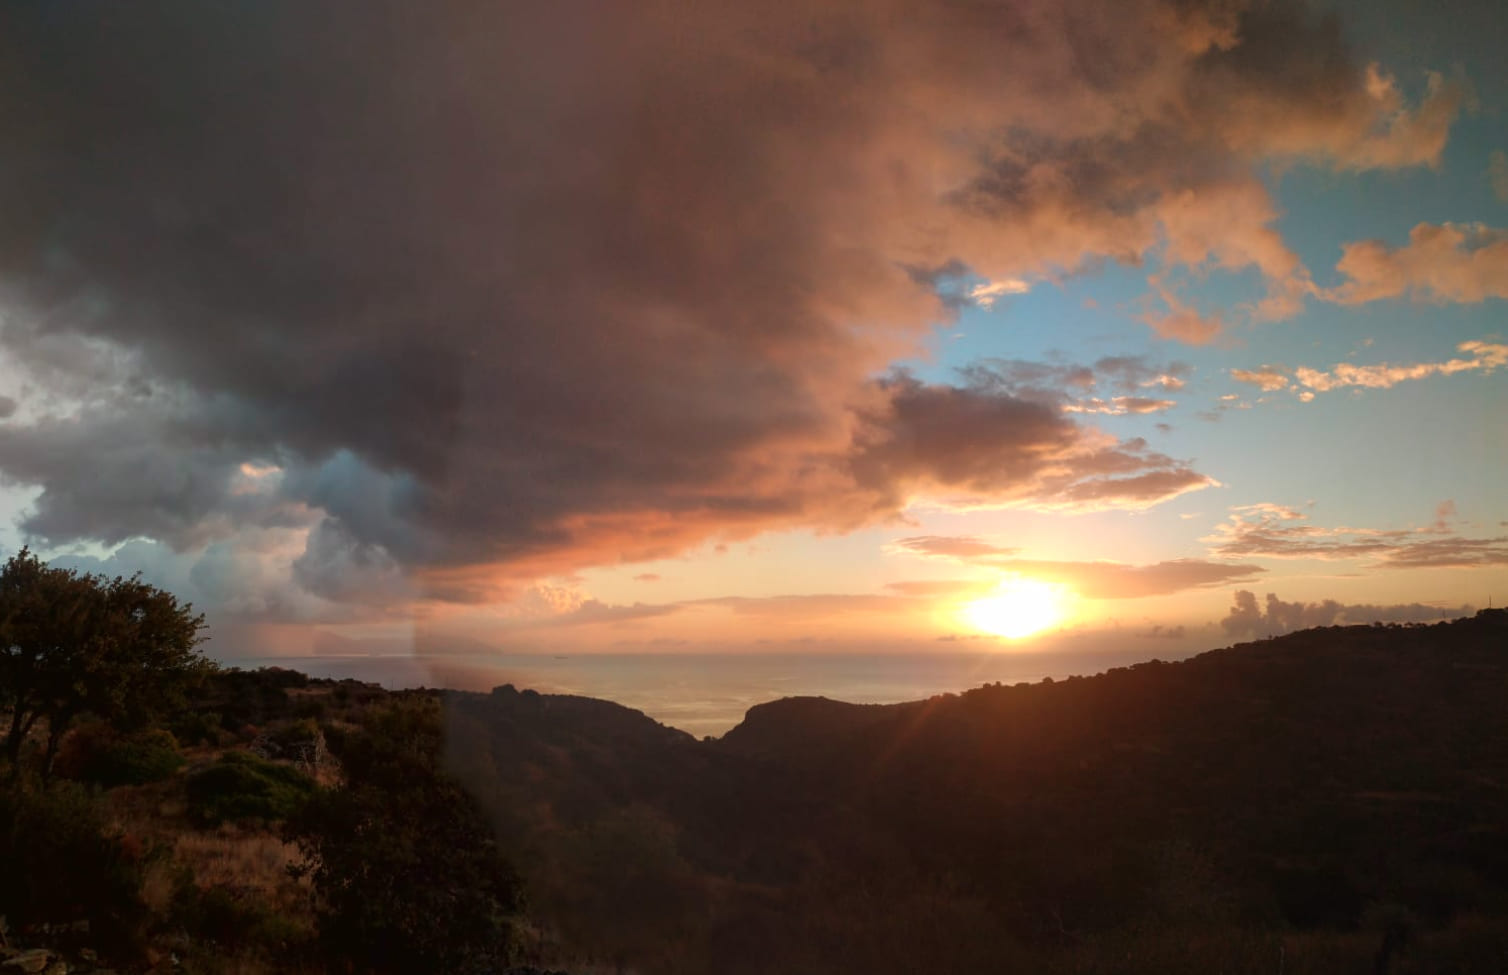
<point>1331,801</point>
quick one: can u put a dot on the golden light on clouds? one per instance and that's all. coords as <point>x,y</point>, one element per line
<point>1018,608</point>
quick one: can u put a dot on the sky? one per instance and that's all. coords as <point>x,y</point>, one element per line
<point>828,326</point>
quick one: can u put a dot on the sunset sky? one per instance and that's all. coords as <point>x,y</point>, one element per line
<point>831,325</point>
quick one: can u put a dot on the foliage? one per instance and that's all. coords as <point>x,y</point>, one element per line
<point>199,727</point>
<point>96,754</point>
<point>228,917</point>
<point>61,865</point>
<point>73,644</point>
<point>243,786</point>
<point>407,874</point>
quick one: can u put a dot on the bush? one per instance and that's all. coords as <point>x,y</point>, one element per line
<point>200,728</point>
<point>242,786</point>
<point>60,866</point>
<point>97,755</point>
<point>235,918</point>
<point>299,740</point>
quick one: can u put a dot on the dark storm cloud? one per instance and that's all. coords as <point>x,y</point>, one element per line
<point>511,288</point>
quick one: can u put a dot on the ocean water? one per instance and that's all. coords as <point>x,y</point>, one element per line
<point>707,694</point>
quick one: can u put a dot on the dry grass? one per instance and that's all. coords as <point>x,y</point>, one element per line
<point>242,860</point>
<point>236,858</point>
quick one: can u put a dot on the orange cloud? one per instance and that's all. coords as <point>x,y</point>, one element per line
<point>1272,531</point>
<point>1121,405</point>
<point>1266,378</point>
<point>1483,357</point>
<point>1441,263</point>
<point>957,547</point>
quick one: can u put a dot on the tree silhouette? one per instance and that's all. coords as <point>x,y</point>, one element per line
<point>73,644</point>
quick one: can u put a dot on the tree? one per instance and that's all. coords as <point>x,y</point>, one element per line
<point>73,644</point>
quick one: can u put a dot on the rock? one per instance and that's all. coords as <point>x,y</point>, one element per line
<point>37,960</point>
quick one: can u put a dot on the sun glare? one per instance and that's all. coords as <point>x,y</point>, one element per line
<point>1019,608</point>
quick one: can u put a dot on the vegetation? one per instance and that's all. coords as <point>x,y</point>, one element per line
<point>242,786</point>
<point>96,754</point>
<point>72,645</point>
<point>408,874</point>
<point>62,866</point>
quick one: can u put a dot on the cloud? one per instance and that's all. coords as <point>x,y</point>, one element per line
<point>1095,580</point>
<point>959,547</point>
<point>1067,385</point>
<point>978,446</point>
<point>1497,175</point>
<point>1266,378</point>
<point>1116,580</point>
<point>809,606</point>
<point>592,611</point>
<point>941,587</point>
<point>1273,531</point>
<point>1181,322</point>
<point>245,579</point>
<point>1121,405</point>
<point>1440,263</point>
<point>984,295</point>
<point>521,289</point>
<point>1124,374</point>
<point>1247,619</point>
<point>1483,357</point>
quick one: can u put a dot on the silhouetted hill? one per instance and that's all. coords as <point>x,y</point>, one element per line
<point>797,725</point>
<point>1303,783</point>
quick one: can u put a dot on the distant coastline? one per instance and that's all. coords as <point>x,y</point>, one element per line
<point>706,694</point>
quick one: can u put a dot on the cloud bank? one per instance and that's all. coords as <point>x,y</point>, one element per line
<point>493,291</point>
<point>1247,619</point>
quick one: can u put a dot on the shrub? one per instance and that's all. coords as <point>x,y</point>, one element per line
<point>233,917</point>
<point>300,740</point>
<point>96,755</point>
<point>61,866</point>
<point>242,786</point>
<point>200,728</point>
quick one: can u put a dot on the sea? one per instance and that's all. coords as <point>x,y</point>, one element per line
<point>707,694</point>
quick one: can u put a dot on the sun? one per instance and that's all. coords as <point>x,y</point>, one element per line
<point>1019,608</point>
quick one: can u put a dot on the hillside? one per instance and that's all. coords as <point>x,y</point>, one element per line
<point>1312,783</point>
<point>1333,800</point>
